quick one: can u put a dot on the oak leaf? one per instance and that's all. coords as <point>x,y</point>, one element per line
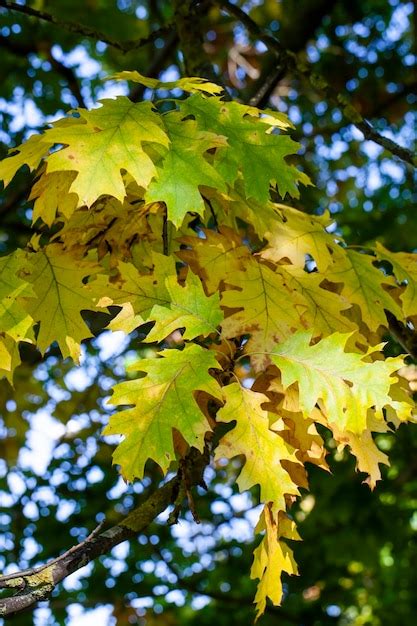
<point>258,153</point>
<point>57,281</point>
<point>161,401</point>
<point>346,382</point>
<point>363,284</point>
<point>269,312</point>
<point>14,320</point>
<point>184,169</point>
<point>263,448</point>
<point>110,140</point>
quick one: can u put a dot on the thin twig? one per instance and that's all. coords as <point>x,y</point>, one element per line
<point>165,233</point>
<point>213,214</point>
<point>403,335</point>
<point>261,97</point>
<point>86,31</point>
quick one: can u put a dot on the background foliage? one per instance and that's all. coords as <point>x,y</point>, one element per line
<point>359,550</point>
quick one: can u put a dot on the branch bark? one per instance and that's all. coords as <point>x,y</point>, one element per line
<point>86,31</point>
<point>24,49</point>
<point>33,585</point>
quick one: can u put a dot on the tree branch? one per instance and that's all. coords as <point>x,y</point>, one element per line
<point>34,585</point>
<point>404,336</point>
<point>23,49</point>
<point>86,31</point>
<point>290,61</point>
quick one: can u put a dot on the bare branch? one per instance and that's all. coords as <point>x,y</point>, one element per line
<point>290,61</point>
<point>86,31</point>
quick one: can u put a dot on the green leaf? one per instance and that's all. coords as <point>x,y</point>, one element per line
<point>258,153</point>
<point>346,383</point>
<point>188,308</point>
<point>162,400</point>
<point>136,293</point>
<point>185,169</point>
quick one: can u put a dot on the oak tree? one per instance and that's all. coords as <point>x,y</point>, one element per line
<point>255,332</point>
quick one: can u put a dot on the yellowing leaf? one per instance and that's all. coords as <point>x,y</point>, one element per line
<point>9,357</point>
<point>184,169</point>
<point>158,297</point>
<point>270,559</point>
<point>404,266</point>
<point>324,308</point>
<point>296,234</point>
<point>14,320</point>
<point>269,311</point>
<point>364,448</point>
<point>188,307</point>
<point>216,258</point>
<point>362,284</point>
<point>5,357</point>
<point>137,293</point>
<point>57,281</point>
<point>111,140</point>
<point>263,449</point>
<point>162,400</point>
<point>346,384</point>
<point>29,153</point>
<point>191,84</point>
<point>259,154</point>
<point>50,193</point>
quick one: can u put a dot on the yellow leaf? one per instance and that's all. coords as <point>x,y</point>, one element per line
<point>111,140</point>
<point>57,281</point>
<point>29,153</point>
<point>14,320</point>
<point>270,559</point>
<point>50,193</point>
<point>324,308</point>
<point>296,234</point>
<point>268,310</point>
<point>404,266</point>
<point>191,84</point>
<point>363,284</point>
<point>5,357</point>
<point>9,357</point>
<point>263,448</point>
<point>216,257</point>
<point>364,448</point>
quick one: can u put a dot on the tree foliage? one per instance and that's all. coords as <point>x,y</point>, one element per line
<point>260,332</point>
